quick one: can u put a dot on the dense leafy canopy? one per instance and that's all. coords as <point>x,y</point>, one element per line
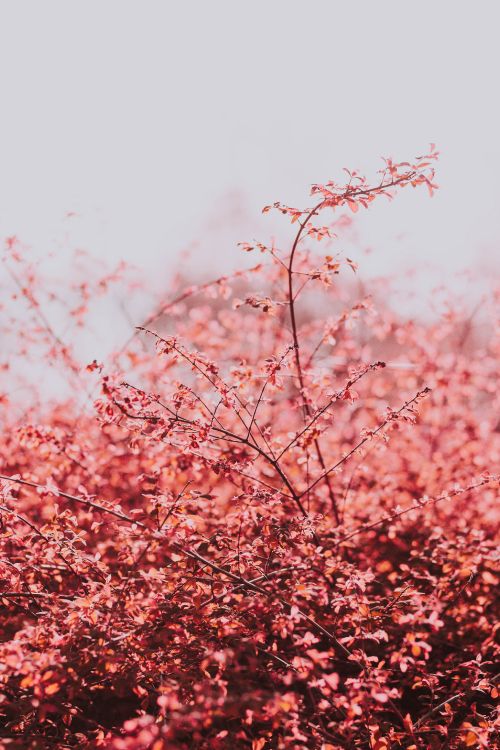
<point>267,521</point>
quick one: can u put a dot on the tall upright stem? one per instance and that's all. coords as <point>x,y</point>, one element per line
<point>305,404</point>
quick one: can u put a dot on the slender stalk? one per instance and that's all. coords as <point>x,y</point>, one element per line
<point>305,404</point>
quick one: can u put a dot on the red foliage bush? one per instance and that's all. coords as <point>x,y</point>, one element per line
<point>276,528</point>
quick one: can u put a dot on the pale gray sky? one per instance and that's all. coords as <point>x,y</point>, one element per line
<point>163,123</point>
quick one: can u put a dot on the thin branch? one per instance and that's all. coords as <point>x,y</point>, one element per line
<point>422,503</point>
<point>329,403</point>
<point>366,439</point>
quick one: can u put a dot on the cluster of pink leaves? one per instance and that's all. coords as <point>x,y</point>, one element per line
<point>274,528</point>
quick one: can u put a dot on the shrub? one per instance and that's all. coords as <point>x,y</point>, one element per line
<point>275,528</point>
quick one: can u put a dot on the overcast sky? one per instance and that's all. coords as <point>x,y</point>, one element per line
<point>160,124</point>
